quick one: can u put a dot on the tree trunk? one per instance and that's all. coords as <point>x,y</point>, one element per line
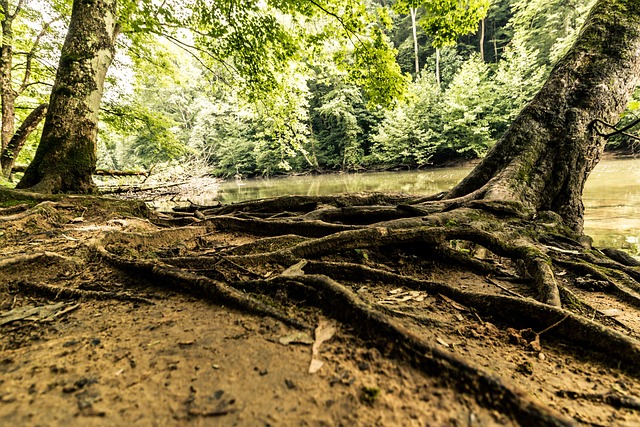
<point>66,156</point>
<point>543,160</point>
<point>495,43</point>
<point>7,93</point>
<point>438,67</point>
<point>482,39</point>
<point>413,12</point>
<point>10,153</point>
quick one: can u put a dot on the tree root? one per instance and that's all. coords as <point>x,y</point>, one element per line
<point>14,209</point>
<point>34,257</point>
<point>56,292</point>
<point>617,283</point>
<point>263,227</point>
<point>371,325</point>
<point>516,311</point>
<point>214,290</point>
<point>307,258</point>
<point>310,203</point>
<point>45,208</point>
<point>615,399</point>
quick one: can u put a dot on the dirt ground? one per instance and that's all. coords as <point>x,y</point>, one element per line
<point>126,350</point>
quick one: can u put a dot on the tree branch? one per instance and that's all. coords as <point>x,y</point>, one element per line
<point>31,54</point>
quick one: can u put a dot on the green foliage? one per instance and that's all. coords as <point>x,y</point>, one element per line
<point>375,70</point>
<point>548,26</point>
<point>407,135</point>
<point>462,120</point>
<point>275,86</point>
<point>446,20</point>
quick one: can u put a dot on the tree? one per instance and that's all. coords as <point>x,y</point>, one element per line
<point>445,20</point>
<point>26,72</point>
<point>66,156</point>
<point>403,6</point>
<point>250,42</point>
<point>518,213</point>
<point>544,159</point>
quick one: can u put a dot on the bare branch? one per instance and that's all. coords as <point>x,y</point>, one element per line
<point>11,16</point>
<point>32,53</point>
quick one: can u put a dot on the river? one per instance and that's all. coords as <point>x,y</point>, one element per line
<point>611,196</point>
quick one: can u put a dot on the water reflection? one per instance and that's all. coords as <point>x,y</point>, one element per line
<point>612,204</point>
<point>611,195</point>
<point>413,182</point>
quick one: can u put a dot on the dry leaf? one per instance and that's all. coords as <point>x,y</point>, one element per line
<point>443,342</point>
<point>315,365</point>
<point>453,303</point>
<point>295,269</point>
<point>611,312</point>
<point>324,332</point>
<point>296,338</point>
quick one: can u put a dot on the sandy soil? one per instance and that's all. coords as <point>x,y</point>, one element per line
<point>158,357</point>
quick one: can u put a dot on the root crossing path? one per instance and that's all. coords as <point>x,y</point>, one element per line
<point>390,311</point>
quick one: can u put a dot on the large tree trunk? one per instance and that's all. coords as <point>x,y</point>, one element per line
<point>543,160</point>
<point>66,156</point>
<point>7,93</point>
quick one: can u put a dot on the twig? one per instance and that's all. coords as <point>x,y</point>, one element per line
<point>554,325</point>
<point>507,290</point>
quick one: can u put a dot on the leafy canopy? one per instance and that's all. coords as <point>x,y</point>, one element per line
<point>446,20</point>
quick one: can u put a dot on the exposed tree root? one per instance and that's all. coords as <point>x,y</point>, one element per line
<point>345,254</point>
<point>212,289</point>
<point>617,400</point>
<point>372,324</point>
<point>55,292</point>
<point>34,257</point>
<point>264,227</point>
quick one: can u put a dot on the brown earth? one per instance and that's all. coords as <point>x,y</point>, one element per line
<point>113,345</point>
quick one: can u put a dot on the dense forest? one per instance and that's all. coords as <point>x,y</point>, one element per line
<point>484,304</point>
<point>169,107</point>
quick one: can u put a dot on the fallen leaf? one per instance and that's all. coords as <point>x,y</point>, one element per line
<point>611,312</point>
<point>443,342</point>
<point>296,338</point>
<point>295,269</point>
<point>315,365</point>
<point>453,304</point>
<point>324,332</point>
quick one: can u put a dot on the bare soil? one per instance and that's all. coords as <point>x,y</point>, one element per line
<point>107,346</point>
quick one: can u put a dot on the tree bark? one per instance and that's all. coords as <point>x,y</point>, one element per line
<point>482,39</point>
<point>544,159</point>
<point>66,157</point>
<point>10,153</point>
<point>438,67</point>
<point>7,93</point>
<point>414,12</point>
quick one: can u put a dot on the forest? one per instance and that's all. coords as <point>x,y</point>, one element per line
<point>483,304</point>
<point>167,105</point>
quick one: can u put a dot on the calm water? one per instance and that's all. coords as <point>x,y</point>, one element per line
<point>611,197</point>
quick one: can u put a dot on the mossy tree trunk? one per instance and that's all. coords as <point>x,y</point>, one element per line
<point>12,141</point>
<point>543,160</point>
<point>7,93</point>
<point>66,156</point>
